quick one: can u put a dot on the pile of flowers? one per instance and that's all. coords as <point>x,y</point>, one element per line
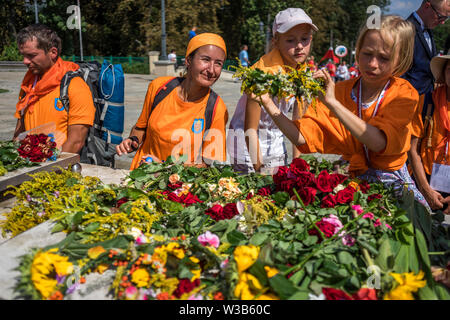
<point>30,151</point>
<point>169,232</point>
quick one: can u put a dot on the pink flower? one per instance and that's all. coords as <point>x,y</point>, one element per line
<point>348,240</point>
<point>377,223</point>
<point>368,215</point>
<point>196,297</point>
<point>332,219</point>
<point>388,226</point>
<point>358,208</point>
<point>131,293</point>
<point>209,239</point>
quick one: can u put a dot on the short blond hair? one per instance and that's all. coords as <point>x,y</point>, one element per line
<point>399,35</point>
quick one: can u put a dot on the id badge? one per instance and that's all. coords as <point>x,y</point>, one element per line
<point>440,177</point>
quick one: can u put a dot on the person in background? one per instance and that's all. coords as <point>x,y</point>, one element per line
<point>312,64</point>
<point>331,67</point>
<point>429,15</point>
<point>254,142</point>
<point>243,56</point>
<point>369,120</point>
<point>342,72</point>
<point>39,103</point>
<point>431,146</point>
<point>192,33</point>
<point>176,126</point>
<point>173,58</point>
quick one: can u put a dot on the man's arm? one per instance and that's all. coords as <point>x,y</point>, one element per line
<point>19,128</point>
<point>76,136</point>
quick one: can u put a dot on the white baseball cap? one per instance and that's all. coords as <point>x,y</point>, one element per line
<point>286,19</point>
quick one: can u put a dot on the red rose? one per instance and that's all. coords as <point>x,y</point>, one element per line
<point>307,195</point>
<point>264,192</point>
<point>185,286</point>
<point>336,179</point>
<point>215,212</point>
<point>190,199</point>
<point>323,182</point>
<point>335,294</point>
<point>230,210</point>
<point>249,196</point>
<point>327,228</point>
<point>281,175</point>
<point>175,186</point>
<point>364,186</point>
<point>287,185</point>
<point>365,294</point>
<point>328,201</point>
<point>299,165</point>
<point>121,201</point>
<point>374,196</point>
<point>173,197</point>
<point>304,179</point>
<point>346,195</point>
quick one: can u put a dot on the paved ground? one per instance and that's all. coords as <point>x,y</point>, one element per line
<point>135,90</point>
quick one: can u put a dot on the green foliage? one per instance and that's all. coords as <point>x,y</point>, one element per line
<point>11,53</point>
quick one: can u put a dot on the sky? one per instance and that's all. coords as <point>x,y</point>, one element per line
<point>403,7</point>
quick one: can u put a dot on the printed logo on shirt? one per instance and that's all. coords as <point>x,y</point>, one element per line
<point>197,126</point>
<point>58,105</point>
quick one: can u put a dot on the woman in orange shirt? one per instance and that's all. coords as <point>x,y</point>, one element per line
<point>176,126</point>
<point>368,120</point>
<point>432,144</point>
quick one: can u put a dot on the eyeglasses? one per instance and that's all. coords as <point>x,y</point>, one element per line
<point>440,16</point>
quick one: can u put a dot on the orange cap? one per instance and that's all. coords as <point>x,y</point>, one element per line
<point>204,39</point>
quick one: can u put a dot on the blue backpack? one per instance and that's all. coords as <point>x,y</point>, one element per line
<point>107,85</point>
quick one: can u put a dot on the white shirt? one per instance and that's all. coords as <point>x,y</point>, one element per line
<point>271,142</point>
<point>425,33</point>
<point>172,57</point>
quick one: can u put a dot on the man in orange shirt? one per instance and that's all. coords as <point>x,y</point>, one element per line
<point>39,95</point>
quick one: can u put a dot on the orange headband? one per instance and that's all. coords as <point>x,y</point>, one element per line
<point>204,39</point>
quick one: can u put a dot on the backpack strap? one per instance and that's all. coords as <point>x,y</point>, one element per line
<point>164,91</point>
<point>64,87</point>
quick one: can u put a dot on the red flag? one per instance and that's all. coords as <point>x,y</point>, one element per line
<point>330,55</point>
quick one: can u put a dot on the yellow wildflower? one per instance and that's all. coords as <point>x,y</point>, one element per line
<point>174,249</point>
<point>271,271</point>
<point>399,293</point>
<point>140,277</point>
<point>94,252</point>
<point>102,268</point>
<point>245,256</point>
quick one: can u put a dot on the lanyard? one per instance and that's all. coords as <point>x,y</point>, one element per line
<point>375,111</point>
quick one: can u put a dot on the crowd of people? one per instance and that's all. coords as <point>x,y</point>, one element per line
<point>387,114</point>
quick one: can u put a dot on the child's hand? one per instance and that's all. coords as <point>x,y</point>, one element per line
<point>329,96</point>
<point>262,100</point>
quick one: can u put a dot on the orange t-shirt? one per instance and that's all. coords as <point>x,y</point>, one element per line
<point>176,127</point>
<point>397,118</point>
<point>431,139</point>
<point>49,109</point>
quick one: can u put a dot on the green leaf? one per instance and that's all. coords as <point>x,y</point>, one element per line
<point>257,269</point>
<point>57,228</point>
<point>92,227</point>
<point>282,286</point>
<point>236,237</point>
<point>300,295</point>
<point>258,238</point>
<point>310,240</point>
<point>401,264</point>
<point>345,258</point>
<point>298,276</point>
<point>281,198</point>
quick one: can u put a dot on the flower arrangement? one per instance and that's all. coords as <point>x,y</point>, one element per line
<point>308,232</point>
<point>33,149</point>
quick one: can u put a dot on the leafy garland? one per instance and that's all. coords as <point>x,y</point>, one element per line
<point>296,83</point>
<point>170,232</point>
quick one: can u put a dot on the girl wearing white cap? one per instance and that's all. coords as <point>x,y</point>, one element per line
<point>430,151</point>
<point>251,128</point>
